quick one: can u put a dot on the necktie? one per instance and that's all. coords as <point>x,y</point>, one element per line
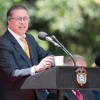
<point>26,46</point>
<point>79,95</point>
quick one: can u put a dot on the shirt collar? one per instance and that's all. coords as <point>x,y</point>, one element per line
<point>16,36</point>
<point>74,92</point>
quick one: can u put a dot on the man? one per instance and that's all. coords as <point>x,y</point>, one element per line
<point>20,56</point>
<point>71,94</point>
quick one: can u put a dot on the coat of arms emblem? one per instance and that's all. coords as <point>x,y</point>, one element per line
<point>81,75</point>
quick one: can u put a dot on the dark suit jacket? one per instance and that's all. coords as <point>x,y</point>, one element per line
<point>42,94</point>
<point>97,94</point>
<point>13,57</point>
<point>69,95</point>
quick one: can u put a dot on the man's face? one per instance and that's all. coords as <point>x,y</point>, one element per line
<point>16,24</point>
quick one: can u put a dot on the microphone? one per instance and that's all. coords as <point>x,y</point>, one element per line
<point>44,36</point>
<point>52,39</point>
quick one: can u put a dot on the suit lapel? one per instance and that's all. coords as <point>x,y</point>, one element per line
<point>18,48</point>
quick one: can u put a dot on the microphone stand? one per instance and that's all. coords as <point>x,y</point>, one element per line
<point>60,91</point>
<point>64,49</point>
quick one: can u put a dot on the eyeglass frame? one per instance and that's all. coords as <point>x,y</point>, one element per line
<point>21,18</point>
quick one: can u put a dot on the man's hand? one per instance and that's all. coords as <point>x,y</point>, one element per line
<point>44,64</point>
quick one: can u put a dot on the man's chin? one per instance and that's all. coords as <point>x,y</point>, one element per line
<point>21,33</point>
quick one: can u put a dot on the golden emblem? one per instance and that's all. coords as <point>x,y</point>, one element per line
<point>81,75</point>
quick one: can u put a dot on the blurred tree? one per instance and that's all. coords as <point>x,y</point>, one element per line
<point>75,23</point>
<point>4,6</point>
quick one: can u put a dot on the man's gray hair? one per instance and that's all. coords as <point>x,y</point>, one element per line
<point>10,11</point>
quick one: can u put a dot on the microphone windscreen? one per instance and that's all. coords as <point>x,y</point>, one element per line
<point>42,35</point>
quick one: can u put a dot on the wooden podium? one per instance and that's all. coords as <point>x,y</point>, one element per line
<point>62,78</point>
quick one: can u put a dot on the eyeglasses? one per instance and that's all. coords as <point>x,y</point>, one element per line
<point>19,19</point>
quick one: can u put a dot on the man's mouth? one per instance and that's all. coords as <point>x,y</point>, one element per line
<point>22,27</point>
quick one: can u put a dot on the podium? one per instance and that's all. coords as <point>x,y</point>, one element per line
<point>62,78</point>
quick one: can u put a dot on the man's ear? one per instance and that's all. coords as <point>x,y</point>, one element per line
<point>8,21</point>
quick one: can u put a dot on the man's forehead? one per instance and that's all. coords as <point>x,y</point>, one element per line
<point>19,12</point>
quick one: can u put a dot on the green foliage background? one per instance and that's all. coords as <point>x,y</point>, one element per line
<point>75,23</point>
